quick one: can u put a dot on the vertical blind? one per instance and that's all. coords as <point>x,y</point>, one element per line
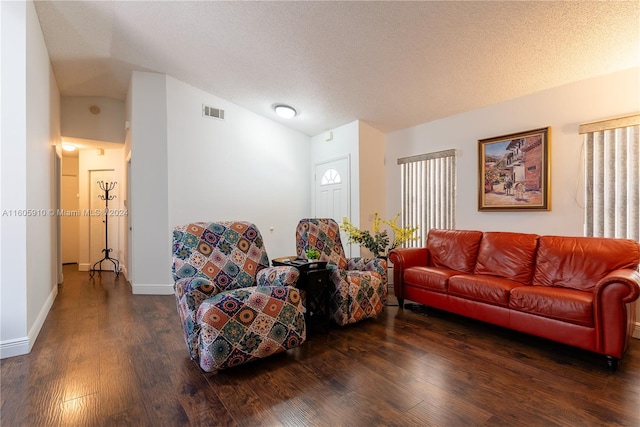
<point>428,190</point>
<point>612,178</point>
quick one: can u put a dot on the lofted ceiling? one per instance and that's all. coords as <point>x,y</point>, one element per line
<point>391,64</point>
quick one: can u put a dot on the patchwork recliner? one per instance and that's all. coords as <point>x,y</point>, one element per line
<point>234,308</point>
<point>360,284</point>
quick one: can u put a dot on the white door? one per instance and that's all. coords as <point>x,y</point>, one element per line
<point>97,219</point>
<point>332,193</point>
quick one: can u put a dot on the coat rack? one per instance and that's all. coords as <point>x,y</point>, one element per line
<point>106,187</point>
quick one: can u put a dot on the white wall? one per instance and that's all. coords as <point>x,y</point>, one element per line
<point>562,108</point>
<point>245,167</point>
<point>43,131</point>
<point>151,239</point>
<point>30,118</point>
<point>79,122</point>
<point>185,167</point>
<point>13,282</point>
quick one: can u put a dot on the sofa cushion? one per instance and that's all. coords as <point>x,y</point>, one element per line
<point>508,255</point>
<point>580,262</point>
<point>432,278</point>
<point>454,249</point>
<point>567,305</point>
<point>490,289</point>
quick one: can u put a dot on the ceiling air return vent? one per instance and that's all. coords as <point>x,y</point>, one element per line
<point>214,113</point>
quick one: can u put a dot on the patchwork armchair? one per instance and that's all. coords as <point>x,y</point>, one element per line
<point>360,285</point>
<point>234,308</point>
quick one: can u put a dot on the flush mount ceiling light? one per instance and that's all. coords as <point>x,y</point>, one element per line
<point>285,111</point>
<point>68,147</point>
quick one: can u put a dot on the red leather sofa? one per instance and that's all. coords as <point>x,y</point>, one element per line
<point>575,290</point>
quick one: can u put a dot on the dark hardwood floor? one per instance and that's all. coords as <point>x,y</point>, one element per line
<point>107,357</point>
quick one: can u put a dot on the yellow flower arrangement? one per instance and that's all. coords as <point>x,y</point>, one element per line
<point>378,242</point>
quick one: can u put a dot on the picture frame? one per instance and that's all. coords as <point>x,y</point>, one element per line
<point>514,171</point>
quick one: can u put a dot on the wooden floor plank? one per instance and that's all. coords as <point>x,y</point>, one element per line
<point>105,357</point>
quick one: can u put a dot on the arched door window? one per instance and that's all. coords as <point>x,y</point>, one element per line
<point>331,176</point>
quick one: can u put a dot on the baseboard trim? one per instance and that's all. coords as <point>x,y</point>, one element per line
<point>14,347</point>
<point>84,267</point>
<point>20,346</point>
<point>151,289</point>
<point>636,331</point>
<point>42,316</point>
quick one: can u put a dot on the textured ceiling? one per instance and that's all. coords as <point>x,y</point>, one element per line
<point>390,64</point>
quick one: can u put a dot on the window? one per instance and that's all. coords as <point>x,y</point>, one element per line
<point>331,176</point>
<point>428,192</point>
<point>612,178</point>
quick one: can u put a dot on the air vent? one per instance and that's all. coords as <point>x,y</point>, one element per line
<point>214,113</point>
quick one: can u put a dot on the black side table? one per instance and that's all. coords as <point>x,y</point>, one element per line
<point>315,284</point>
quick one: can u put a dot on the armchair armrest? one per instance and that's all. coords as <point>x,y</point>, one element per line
<point>378,265</point>
<point>190,292</point>
<point>278,276</point>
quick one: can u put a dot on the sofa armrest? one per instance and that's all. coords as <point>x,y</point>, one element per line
<point>403,258</point>
<point>630,279</point>
<point>278,276</point>
<point>409,257</point>
<point>614,309</point>
<point>190,292</point>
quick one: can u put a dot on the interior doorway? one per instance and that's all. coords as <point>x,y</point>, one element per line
<point>70,218</point>
<point>67,210</point>
<point>332,189</point>
<point>57,179</point>
<point>129,228</point>
<point>97,203</point>
<point>332,192</point>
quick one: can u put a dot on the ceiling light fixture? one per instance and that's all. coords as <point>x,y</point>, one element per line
<point>68,147</point>
<point>285,111</point>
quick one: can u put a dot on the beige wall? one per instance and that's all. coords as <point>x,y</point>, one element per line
<point>372,182</point>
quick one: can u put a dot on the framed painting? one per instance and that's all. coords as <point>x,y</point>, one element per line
<point>513,172</point>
